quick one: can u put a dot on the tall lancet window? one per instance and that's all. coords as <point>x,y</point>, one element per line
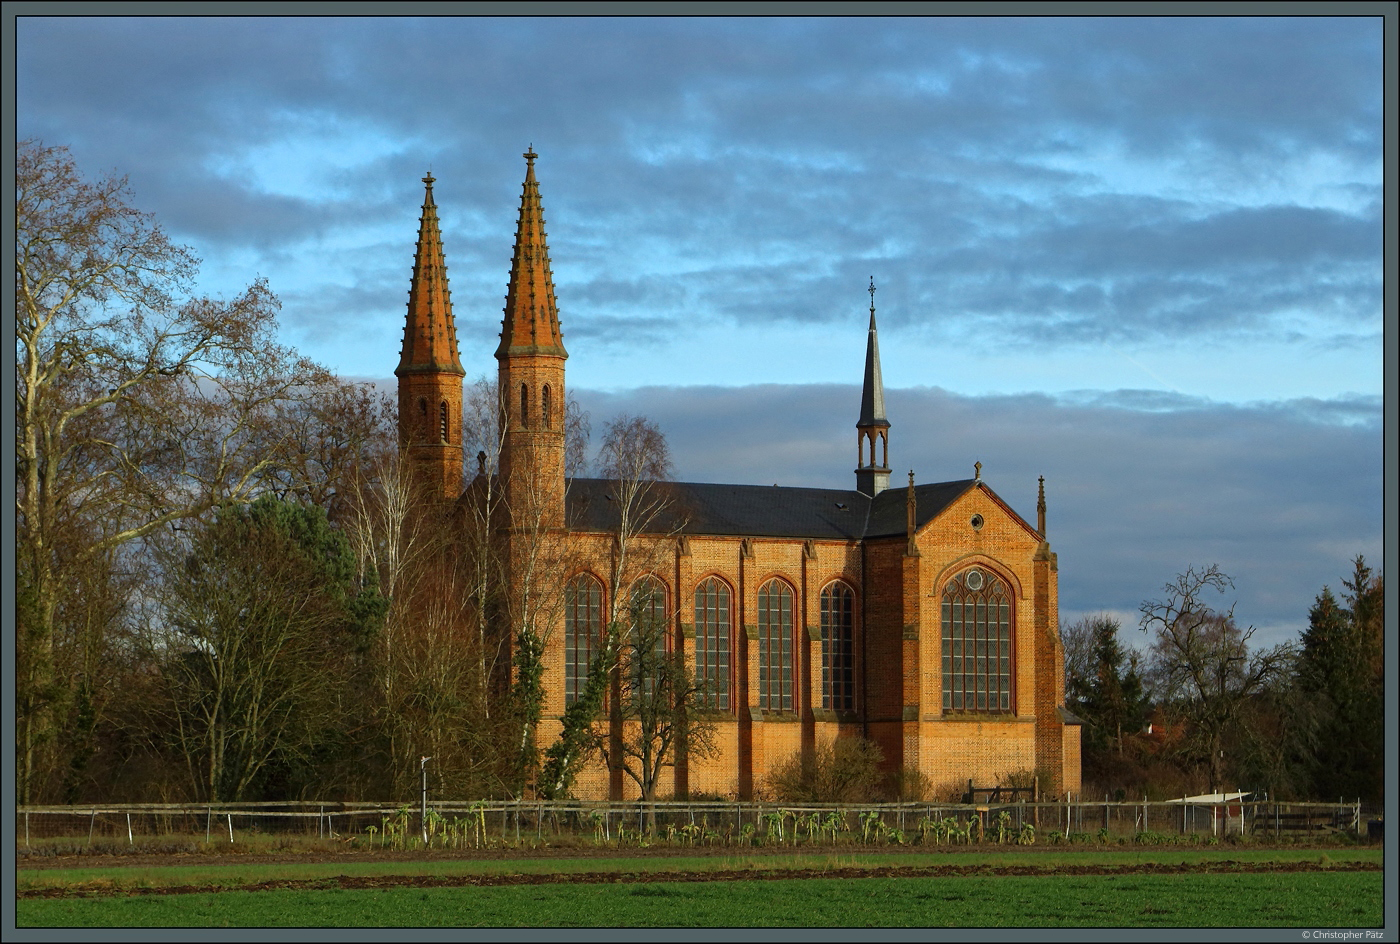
<point>649,624</point>
<point>524,405</point>
<point>583,627</point>
<point>977,643</point>
<point>544,407</point>
<point>775,646</point>
<point>838,645</point>
<point>443,429</point>
<point>712,628</point>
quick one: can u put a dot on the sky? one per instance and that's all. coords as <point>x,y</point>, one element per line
<point>1139,256</point>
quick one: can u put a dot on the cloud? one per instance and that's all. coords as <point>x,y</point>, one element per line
<point>1010,182</point>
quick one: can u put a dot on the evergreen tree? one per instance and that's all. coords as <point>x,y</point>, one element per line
<point>1342,672</point>
<point>1111,699</point>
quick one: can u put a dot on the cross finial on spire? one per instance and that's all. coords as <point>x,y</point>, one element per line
<point>530,155</point>
<point>1040,509</point>
<point>872,296</point>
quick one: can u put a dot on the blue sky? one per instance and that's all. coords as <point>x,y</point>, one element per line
<point>1139,256</point>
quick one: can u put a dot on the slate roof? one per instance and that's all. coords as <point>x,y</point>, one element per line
<point>769,510</point>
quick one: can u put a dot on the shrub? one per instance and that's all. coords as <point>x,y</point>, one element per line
<point>844,771</point>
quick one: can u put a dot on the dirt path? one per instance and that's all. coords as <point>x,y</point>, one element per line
<point>717,875</point>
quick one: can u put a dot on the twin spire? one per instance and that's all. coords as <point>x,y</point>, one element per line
<point>430,334</point>
<point>531,322</point>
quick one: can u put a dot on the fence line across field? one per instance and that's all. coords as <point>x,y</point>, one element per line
<point>524,819</point>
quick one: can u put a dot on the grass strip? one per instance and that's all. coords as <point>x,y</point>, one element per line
<point>1276,899</point>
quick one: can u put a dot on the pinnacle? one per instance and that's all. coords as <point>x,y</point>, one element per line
<point>529,326</point>
<point>429,332</point>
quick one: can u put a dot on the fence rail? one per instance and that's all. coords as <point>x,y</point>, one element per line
<point>466,822</point>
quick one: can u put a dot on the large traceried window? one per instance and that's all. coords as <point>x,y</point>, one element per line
<point>712,628</point>
<point>583,630</point>
<point>775,646</point>
<point>838,645</point>
<point>977,643</point>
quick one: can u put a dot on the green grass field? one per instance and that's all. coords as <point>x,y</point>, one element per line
<point>1286,899</point>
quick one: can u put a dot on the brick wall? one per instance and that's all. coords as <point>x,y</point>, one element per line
<point>898,655</point>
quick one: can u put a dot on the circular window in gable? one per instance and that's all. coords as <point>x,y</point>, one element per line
<point>977,522</point>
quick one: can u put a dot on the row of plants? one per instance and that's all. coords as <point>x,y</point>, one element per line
<point>397,832</point>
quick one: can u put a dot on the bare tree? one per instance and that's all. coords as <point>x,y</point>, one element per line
<point>1078,640</point>
<point>657,697</point>
<point>516,557</point>
<point>133,408</point>
<point>1202,664</point>
<point>636,460</point>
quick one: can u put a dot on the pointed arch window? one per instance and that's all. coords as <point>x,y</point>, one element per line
<point>775,646</point>
<point>648,644</point>
<point>443,430</point>
<point>838,647</point>
<point>583,629</point>
<point>712,631</point>
<point>524,405</point>
<point>977,660</point>
<point>544,407</point>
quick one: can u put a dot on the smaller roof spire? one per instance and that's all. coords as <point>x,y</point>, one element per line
<point>1040,509</point>
<point>872,397</point>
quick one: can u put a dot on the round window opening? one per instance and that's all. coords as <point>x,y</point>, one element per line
<point>977,522</point>
<point>974,580</point>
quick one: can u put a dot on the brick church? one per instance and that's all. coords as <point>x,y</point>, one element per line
<point>921,616</point>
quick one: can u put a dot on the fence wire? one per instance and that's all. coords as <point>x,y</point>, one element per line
<point>464,824</point>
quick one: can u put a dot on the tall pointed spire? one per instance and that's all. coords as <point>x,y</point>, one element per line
<point>530,362</point>
<point>531,322</point>
<point>430,370</point>
<point>872,477</point>
<point>430,334</point>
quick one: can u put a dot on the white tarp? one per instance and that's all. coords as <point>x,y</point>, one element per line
<point>1206,799</point>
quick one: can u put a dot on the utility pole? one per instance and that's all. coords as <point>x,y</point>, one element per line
<point>423,815</point>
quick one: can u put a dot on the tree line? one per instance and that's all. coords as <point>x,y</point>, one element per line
<point>229,583</point>
<point>1200,710</point>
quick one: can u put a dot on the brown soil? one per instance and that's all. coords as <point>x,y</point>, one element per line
<point>754,873</point>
